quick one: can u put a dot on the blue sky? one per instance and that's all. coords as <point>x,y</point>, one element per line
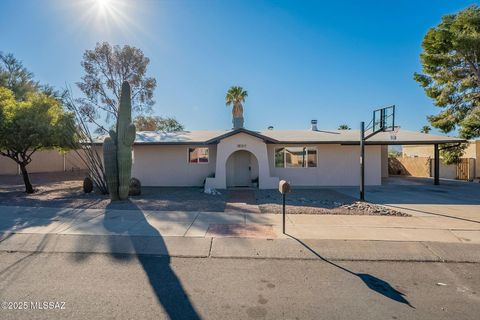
<point>334,61</point>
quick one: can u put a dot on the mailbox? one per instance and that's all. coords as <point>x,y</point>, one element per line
<point>283,187</point>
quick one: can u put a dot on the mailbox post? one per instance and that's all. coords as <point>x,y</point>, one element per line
<point>284,188</point>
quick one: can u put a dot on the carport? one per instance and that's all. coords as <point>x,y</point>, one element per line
<point>415,138</point>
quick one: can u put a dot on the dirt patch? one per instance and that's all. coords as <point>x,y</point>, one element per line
<point>319,201</point>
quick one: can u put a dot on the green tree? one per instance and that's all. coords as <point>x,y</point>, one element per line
<point>425,129</point>
<point>236,97</point>
<point>16,77</point>
<point>451,72</point>
<point>106,68</point>
<point>451,76</point>
<point>38,122</point>
<point>169,125</point>
<point>344,127</point>
<point>155,123</point>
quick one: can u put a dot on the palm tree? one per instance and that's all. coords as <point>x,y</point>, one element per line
<point>343,127</point>
<point>236,96</point>
<point>425,129</point>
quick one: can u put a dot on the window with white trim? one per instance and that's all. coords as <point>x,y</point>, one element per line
<point>198,155</point>
<point>295,157</point>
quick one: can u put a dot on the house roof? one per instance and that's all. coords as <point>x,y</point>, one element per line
<point>353,137</point>
<point>348,137</point>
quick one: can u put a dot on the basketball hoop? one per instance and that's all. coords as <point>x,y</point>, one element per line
<point>393,133</point>
<point>383,121</point>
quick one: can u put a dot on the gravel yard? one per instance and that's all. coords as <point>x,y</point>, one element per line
<point>64,189</point>
<point>319,201</point>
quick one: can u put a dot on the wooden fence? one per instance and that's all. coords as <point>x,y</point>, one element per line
<point>424,167</point>
<point>416,167</point>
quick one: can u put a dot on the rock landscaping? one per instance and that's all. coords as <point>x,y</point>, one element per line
<point>320,201</point>
<point>65,189</point>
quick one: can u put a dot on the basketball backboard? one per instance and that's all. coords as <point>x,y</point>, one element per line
<point>383,119</point>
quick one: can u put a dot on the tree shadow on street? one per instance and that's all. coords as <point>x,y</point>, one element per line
<point>373,283</point>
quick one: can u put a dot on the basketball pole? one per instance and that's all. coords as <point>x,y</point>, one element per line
<point>362,162</point>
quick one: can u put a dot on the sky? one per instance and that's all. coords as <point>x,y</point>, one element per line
<point>334,61</point>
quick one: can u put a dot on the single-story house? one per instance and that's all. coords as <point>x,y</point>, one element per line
<point>247,158</point>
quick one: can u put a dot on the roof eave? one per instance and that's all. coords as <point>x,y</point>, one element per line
<point>241,130</point>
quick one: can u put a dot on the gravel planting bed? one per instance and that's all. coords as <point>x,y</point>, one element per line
<point>320,201</point>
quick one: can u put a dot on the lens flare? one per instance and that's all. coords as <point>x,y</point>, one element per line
<point>105,17</point>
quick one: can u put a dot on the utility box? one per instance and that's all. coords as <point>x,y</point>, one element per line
<point>284,187</point>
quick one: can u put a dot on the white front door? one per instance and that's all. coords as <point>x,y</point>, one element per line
<point>239,170</point>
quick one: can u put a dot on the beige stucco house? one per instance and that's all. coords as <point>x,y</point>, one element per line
<point>246,158</point>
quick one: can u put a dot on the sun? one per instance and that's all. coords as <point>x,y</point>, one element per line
<point>108,14</point>
<point>104,18</point>
<point>104,5</point>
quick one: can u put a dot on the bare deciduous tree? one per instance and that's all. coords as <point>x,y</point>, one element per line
<point>106,68</point>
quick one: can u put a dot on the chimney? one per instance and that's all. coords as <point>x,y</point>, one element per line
<point>314,125</point>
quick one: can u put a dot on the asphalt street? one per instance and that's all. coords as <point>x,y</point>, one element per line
<point>116,286</point>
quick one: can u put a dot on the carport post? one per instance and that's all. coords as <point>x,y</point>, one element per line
<point>362,159</point>
<point>436,161</point>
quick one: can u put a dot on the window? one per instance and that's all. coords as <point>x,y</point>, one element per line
<point>198,155</point>
<point>295,157</point>
<point>280,158</point>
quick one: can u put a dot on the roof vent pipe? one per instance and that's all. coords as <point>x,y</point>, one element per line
<point>314,125</point>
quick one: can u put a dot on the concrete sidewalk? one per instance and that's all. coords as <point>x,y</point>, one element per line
<point>432,228</point>
<point>238,235</point>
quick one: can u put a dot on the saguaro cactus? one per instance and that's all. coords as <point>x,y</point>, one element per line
<point>117,149</point>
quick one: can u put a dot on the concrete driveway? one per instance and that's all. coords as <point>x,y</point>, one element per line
<point>420,197</point>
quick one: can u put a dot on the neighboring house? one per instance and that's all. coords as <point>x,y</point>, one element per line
<point>472,151</point>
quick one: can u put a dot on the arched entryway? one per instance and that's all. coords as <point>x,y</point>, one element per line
<point>242,169</point>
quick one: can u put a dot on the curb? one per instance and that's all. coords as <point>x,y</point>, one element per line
<point>243,248</point>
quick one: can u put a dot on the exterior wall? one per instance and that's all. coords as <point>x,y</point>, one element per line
<point>8,166</point>
<point>337,165</point>
<point>167,165</point>
<point>242,141</point>
<point>384,155</point>
<point>45,161</point>
<point>447,171</point>
<point>421,151</point>
<point>477,159</point>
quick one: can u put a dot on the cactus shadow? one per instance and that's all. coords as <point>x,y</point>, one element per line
<point>167,287</point>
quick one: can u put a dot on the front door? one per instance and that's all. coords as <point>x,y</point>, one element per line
<point>241,169</point>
